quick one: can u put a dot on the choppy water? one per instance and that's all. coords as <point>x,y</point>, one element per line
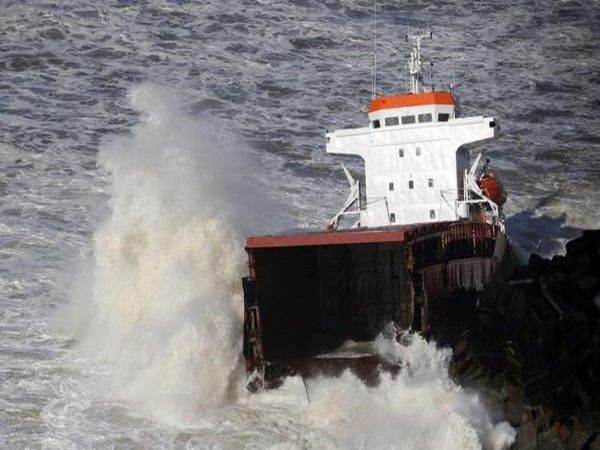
<point>141,141</point>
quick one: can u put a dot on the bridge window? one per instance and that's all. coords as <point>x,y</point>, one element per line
<point>411,184</point>
<point>391,186</point>
<point>401,153</point>
<point>376,123</point>
<point>391,121</point>
<point>392,218</point>
<point>443,117</point>
<point>418,151</point>
<point>406,120</point>
<point>425,117</point>
<point>430,182</point>
<point>432,214</point>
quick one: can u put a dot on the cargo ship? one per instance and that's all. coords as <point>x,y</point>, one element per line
<point>413,249</point>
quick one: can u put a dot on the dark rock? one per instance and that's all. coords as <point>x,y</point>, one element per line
<point>589,285</point>
<point>541,417</point>
<point>513,411</point>
<point>538,264</point>
<point>560,263</point>
<point>593,235</point>
<point>576,438</point>
<point>550,440</point>
<point>579,246</point>
<point>538,386</point>
<point>526,437</point>
<point>594,443</point>
<point>539,329</point>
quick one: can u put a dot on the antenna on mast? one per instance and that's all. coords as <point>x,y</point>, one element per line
<point>374,84</point>
<point>453,85</point>
<point>415,63</point>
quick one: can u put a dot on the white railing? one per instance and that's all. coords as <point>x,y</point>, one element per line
<point>353,200</point>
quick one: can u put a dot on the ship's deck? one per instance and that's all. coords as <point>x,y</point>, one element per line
<point>303,238</point>
<point>363,235</point>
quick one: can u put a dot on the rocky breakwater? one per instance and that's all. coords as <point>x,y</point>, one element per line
<point>536,346</point>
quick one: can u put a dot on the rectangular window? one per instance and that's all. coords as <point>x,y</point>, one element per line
<point>406,120</point>
<point>392,218</point>
<point>443,117</point>
<point>411,184</point>
<point>431,214</point>
<point>391,121</point>
<point>401,152</point>
<point>430,182</point>
<point>376,123</point>
<point>391,186</point>
<point>425,117</point>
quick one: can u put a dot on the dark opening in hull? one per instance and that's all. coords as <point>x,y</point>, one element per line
<point>314,298</point>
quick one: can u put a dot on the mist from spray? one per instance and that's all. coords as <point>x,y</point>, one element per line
<point>166,306</point>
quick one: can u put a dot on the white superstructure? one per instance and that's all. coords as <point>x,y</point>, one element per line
<point>417,163</point>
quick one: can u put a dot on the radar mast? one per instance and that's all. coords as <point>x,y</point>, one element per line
<point>415,62</point>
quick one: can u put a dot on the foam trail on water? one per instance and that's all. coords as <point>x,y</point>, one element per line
<point>166,306</point>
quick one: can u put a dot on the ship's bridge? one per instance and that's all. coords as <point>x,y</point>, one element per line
<point>416,157</point>
<point>416,154</point>
<point>411,109</point>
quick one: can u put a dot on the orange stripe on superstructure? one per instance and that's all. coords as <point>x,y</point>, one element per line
<point>401,101</point>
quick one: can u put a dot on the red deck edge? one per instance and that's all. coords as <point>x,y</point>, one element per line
<point>327,238</point>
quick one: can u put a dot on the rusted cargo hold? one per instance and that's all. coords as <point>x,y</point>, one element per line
<point>306,294</point>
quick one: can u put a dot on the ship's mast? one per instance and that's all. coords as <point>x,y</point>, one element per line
<point>415,62</point>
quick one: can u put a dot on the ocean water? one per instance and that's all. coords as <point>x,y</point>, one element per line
<point>141,141</point>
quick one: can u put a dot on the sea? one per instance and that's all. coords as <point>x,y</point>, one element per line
<point>141,141</point>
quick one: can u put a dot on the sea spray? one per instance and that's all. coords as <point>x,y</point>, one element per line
<point>166,306</point>
<point>419,408</point>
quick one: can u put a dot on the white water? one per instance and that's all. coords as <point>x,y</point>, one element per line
<point>164,309</point>
<point>420,408</point>
<point>159,316</point>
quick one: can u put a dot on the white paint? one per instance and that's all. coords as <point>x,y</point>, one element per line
<point>441,159</point>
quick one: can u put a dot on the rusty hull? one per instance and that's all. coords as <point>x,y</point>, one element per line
<point>306,294</point>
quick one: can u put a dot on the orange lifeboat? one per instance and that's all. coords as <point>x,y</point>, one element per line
<point>492,189</point>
